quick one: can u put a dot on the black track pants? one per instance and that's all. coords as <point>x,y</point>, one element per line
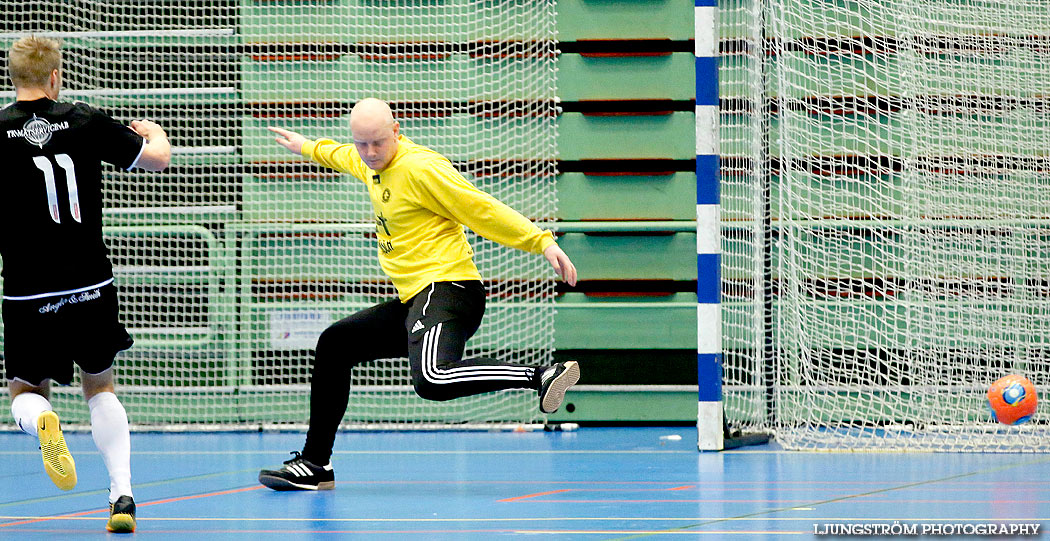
<point>431,330</point>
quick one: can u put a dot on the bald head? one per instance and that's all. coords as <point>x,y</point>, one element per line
<point>375,132</point>
<point>370,113</point>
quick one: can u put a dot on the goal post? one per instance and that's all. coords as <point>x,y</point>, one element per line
<point>231,262</point>
<point>708,230</point>
<point>885,220</point>
<point>714,430</point>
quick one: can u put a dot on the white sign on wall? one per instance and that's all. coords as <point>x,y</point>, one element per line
<point>297,329</point>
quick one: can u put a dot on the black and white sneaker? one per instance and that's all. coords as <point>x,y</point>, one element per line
<point>299,474</point>
<point>554,382</point>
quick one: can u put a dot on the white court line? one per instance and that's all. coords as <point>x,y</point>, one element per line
<point>140,92</point>
<point>125,34</point>
<point>535,519</point>
<point>204,150</point>
<point>151,91</point>
<point>162,269</point>
<point>171,331</point>
<point>373,452</point>
<point>203,209</point>
<point>637,388</point>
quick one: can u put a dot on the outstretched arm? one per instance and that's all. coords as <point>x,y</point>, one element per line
<point>561,263</point>
<point>289,140</point>
<point>328,153</point>
<point>156,155</point>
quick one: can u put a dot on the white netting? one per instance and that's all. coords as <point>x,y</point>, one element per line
<point>886,166</point>
<point>230,262</point>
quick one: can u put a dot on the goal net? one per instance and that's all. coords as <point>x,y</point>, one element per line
<point>231,262</point>
<point>886,207</point>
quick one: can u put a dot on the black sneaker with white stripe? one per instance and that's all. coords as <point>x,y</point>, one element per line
<point>554,381</point>
<point>299,474</point>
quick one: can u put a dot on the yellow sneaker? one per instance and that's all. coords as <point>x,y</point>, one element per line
<point>58,463</point>
<point>121,515</point>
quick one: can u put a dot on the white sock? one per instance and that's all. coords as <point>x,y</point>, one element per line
<point>109,429</point>
<point>26,407</point>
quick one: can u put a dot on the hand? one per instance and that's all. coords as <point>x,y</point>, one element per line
<point>147,128</point>
<point>561,263</point>
<point>289,139</point>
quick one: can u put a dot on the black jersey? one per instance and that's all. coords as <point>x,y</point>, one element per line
<point>51,194</point>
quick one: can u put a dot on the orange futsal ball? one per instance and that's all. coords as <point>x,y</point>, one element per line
<point>1012,399</point>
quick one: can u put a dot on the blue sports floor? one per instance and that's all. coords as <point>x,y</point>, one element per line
<point>595,483</point>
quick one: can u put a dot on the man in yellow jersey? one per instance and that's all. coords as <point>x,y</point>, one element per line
<point>421,204</point>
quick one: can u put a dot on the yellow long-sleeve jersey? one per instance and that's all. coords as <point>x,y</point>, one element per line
<point>421,204</point>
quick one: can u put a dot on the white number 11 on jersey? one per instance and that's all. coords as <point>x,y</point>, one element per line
<point>66,163</point>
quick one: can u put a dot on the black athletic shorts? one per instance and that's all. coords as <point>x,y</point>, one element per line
<point>43,337</point>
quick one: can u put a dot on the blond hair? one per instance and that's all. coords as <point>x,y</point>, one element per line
<point>31,61</point>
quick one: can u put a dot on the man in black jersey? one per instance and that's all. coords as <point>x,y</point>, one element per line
<point>59,303</point>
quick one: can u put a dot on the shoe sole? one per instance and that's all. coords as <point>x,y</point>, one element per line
<point>556,392</point>
<point>280,483</point>
<point>58,463</point>
<point>121,523</point>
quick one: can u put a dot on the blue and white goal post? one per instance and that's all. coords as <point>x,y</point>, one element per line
<point>713,432</point>
<point>709,417</point>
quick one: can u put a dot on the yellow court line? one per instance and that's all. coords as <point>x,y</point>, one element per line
<point>161,482</point>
